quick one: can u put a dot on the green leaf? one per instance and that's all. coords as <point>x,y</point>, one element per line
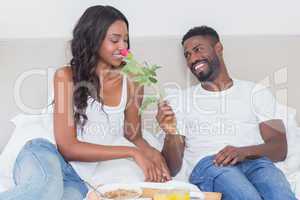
<point>147,72</point>
<point>142,80</point>
<point>132,68</point>
<point>153,80</point>
<point>155,67</point>
<point>144,74</point>
<point>147,101</point>
<point>150,72</point>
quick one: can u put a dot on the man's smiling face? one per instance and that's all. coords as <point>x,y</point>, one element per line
<point>201,57</point>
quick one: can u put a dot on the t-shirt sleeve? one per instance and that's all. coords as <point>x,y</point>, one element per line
<point>263,104</point>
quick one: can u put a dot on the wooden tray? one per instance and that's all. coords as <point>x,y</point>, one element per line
<point>149,193</point>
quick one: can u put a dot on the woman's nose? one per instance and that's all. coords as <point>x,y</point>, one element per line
<point>123,45</point>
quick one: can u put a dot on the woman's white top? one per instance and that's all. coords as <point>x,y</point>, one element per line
<point>105,126</point>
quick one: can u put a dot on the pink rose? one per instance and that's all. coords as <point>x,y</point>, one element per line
<point>124,52</point>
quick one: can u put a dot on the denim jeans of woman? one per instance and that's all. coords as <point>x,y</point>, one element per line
<point>41,173</point>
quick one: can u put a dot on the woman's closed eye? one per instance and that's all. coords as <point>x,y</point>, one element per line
<point>114,40</point>
<point>117,40</point>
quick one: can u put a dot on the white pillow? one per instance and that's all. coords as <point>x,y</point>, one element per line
<point>292,163</point>
<point>27,127</point>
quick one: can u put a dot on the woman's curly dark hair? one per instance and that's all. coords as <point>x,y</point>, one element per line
<point>88,36</point>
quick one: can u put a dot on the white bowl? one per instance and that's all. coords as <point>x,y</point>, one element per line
<point>114,187</point>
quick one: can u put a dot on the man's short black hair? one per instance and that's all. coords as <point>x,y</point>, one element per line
<point>202,31</point>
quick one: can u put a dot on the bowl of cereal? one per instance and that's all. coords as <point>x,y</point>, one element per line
<point>116,192</point>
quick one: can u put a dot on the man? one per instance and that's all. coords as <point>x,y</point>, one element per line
<point>227,131</point>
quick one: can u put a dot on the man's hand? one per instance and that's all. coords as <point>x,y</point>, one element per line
<point>166,118</point>
<point>160,163</point>
<point>230,155</point>
<point>174,143</point>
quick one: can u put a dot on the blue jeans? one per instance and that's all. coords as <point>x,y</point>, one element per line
<point>249,180</point>
<point>41,173</point>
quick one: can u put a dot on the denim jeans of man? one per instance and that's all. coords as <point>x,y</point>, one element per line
<point>41,173</point>
<point>249,180</point>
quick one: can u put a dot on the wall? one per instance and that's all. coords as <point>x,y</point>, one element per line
<point>56,18</point>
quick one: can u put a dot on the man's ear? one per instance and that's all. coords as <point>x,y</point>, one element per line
<point>219,49</point>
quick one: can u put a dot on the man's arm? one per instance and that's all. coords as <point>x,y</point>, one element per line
<point>174,143</point>
<point>271,128</point>
<point>274,146</point>
<point>275,142</point>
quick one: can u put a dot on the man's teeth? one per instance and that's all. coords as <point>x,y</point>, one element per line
<point>199,66</point>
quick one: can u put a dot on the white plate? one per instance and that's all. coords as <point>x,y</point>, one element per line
<point>114,187</point>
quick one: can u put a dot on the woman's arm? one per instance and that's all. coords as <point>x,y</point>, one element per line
<point>132,123</point>
<point>65,128</point>
<point>133,132</point>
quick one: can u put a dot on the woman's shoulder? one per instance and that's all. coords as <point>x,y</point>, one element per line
<point>63,74</point>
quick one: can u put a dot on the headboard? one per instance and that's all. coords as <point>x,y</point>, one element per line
<point>27,66</point>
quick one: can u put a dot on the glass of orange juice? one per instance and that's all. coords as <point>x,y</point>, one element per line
<point>172,195</point>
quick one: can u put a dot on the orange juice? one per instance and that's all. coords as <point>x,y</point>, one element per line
<point>172,195</point>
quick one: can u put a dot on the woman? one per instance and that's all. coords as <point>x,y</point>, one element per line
<point>94,106</point>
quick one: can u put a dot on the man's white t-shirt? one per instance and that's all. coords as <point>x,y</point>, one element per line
<point>212,120</point>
